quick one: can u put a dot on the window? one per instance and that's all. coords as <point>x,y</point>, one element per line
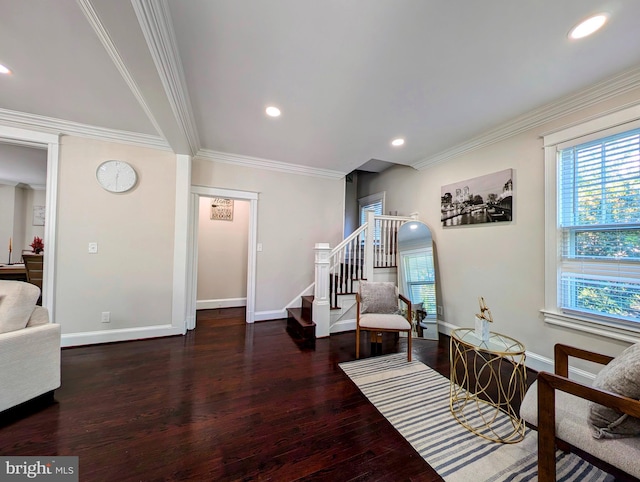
<point>375,203</point>
<point>420,279</point>
<point>593,231</point>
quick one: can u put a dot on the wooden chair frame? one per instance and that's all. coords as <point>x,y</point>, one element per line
<point>406,301</point>
<point>549,382</point>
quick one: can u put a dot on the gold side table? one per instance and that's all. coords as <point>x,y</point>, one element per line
<point>486,376</point>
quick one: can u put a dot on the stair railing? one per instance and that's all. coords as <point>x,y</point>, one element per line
<point>346,264</point>
<point>372,245</point>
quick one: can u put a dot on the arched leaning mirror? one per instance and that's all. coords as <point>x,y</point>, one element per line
<point>417,276</point>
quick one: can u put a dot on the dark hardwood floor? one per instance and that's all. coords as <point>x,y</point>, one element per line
<point>228,401</point>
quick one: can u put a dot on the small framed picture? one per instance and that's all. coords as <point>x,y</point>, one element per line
<point>221,209</point>
<point>38,215</point>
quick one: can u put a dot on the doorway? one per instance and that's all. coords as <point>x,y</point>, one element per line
<point>223,236</point>
<point>50,143</point>
<point>198,192</point>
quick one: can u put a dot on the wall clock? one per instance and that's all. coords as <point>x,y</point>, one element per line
<point>116,176</point>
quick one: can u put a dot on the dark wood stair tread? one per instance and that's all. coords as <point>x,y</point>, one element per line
<point>299,326</point>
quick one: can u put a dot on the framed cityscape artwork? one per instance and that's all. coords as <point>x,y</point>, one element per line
<point>484,199</point>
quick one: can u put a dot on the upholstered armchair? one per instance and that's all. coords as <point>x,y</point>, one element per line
<point>29,345</point>
<point>378,311</point>
<point>602,420</point>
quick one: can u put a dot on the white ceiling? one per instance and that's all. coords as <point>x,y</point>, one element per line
<point>349,76</point>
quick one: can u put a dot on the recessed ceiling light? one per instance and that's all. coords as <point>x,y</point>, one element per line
<point>4,70</point>
<point>397,142</point>
<point>588,26</point>
<point>273,111</point>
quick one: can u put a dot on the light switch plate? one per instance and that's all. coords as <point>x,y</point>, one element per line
<point>93,248</point>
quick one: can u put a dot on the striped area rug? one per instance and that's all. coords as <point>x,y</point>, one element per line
<point>415,399</point>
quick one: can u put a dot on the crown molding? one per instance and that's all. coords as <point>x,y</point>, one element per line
<point>155,21</point>
<point>105,39</point>
<point>64,127</point>
<point>614,86</point>
<point>257,163</point>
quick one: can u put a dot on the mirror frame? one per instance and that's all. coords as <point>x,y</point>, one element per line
<point>432,315</point>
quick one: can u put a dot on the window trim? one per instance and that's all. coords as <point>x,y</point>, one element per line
<point>370,199</point>
<point>619,121</point>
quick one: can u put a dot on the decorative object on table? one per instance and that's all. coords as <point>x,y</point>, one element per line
<point>484,199</point>
<point>38,216</point>
<point>221,209</point>
<point>10,249</point>
<point>482,321</point>
<point>37,245</point>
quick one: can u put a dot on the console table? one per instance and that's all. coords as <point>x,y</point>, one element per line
<point>486,377</point>
<point>13,272</point>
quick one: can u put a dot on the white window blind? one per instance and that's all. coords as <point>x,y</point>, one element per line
<point>599,219</point>
<point>420,279</point>
<point>373,203</point>
<point>375,206</point>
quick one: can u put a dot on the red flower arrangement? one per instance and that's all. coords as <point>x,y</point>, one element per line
<point>37,245</point>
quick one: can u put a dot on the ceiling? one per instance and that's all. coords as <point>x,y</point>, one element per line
<point>349,76</point>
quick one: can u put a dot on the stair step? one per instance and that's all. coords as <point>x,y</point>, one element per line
<point>307,307</point>
<point>300,327</point>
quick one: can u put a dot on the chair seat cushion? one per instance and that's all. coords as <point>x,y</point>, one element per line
<point>572,427</point>
<point>384,321</point>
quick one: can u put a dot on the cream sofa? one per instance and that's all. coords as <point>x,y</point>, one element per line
<point>29,345</point>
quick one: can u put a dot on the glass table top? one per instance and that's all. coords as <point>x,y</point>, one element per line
<point>497,343</point>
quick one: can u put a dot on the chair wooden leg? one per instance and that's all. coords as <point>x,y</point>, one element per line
<point>357,342</point>
<point>409,337</point>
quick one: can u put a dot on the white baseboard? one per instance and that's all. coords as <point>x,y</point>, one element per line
<point>124,334</point>
<point>270,315</point>
<point>536,362</point>
<point>222,303</point>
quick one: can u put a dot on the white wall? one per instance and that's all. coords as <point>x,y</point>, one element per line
<point>16,216</point>
<point>33,197</point>
<point>294,212</point>
<point>7,210</point>
<point>222,257</point>
<point>131,275</point>
<point>503,262</point>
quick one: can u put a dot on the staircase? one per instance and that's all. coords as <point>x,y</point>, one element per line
<point>300,323</point>
<point>338,272</point>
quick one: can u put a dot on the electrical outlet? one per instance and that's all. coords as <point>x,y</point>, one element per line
<point>106,317</point>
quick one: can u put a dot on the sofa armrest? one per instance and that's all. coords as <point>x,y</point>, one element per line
<point>547,384</point>
<point>29,363</point>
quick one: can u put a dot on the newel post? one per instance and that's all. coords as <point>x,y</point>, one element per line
<point>321,306</point>
<point>368,246</point>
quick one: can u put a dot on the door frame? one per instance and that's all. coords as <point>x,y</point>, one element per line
<point>50,142</point>
<point>192,264</point>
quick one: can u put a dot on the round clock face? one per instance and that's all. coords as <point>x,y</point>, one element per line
<point>116,176</point>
